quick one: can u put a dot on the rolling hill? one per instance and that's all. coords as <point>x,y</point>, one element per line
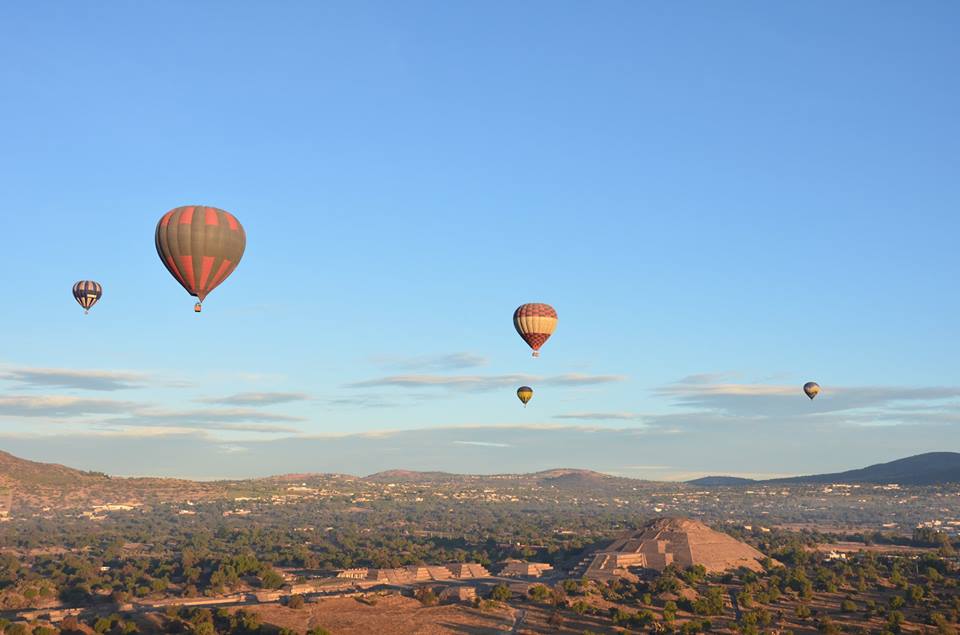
<point>922,469</point>
<point>15,471</point>
<point>931,468</point>
<point>50,479</point>
<point>712,481</point>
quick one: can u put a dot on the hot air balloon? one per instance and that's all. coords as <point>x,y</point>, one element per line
<point>200,246</point>
<point>87,293</point>
<point>535,323</point>
<point>525,394</point>
<point>812,389</point>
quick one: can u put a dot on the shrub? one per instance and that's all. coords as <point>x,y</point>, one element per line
<point>426,596</point>
<point>500,593</point>
<point>539,592</point>
<point>295,602</point>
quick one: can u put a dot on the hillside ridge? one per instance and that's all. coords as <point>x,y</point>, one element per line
<point>930,468</point>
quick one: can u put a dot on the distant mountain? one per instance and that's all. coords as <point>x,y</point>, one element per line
<point>571,478</point>
<point>560,477</point>
<point>409,476</point>
<point>932,468</point>
<point>564,472</point>
<point>721,480</point>
<point>26,476</point>
<point>15,472</point>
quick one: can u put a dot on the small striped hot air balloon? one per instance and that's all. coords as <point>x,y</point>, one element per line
<point>535,323</point>
<point>525,394</point>
<point>811,389</point>
<point>200,246</point>
<point>87,293</point>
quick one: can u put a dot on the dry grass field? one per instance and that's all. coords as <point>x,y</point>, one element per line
<point>390,615</point>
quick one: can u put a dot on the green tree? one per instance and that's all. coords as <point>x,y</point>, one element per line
<point>500,593</point>
<point>539,592</point>
<point>270,579</point>
<point>670,611</point>
<point>895,621</point>
<point>826,625</point>
<point>914,594</point>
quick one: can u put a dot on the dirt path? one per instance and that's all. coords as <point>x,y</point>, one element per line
<point>736,605</point>
<point>521,615</point>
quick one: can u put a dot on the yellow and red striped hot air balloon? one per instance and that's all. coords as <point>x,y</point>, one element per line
<point>200,246</point>
<point>535,323</point>
<point>525,394</point>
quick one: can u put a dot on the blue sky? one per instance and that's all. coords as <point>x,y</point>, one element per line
<point>722,200</point>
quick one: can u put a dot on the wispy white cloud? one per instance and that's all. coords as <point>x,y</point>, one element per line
<point>449,361</point>
<point>361,401</point>
<point>484,444</point>
<point>256,398</point>
<point>99,380</point>
<point>224,419</point>
<point>600,416</point>
<point>232,449</point>
<point>778,400</point>
<point>705,378</point>
<point>479,383</point>
<point>59,406</point>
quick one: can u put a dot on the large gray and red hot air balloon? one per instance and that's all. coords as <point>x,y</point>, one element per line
<point>200,246</point>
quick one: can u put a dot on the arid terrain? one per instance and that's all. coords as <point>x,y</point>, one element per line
<point>562,551</point>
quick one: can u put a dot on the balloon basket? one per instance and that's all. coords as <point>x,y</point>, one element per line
<point>536,354</point>
<point>197,307</point>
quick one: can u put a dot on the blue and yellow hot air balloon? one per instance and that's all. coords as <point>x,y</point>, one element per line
<point>525,394</point>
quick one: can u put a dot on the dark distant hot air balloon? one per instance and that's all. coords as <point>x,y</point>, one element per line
<point>200,246</point>
<point>525,394</point>
<point>535,323</point>
<point>812,389</point>
<point>87,293</point>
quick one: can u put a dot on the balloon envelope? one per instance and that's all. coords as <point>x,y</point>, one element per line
<point>87,293</point>
<point>525,394</point>
<point>535,323</point>
<point>812,389</point>
<point>200,246</point>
